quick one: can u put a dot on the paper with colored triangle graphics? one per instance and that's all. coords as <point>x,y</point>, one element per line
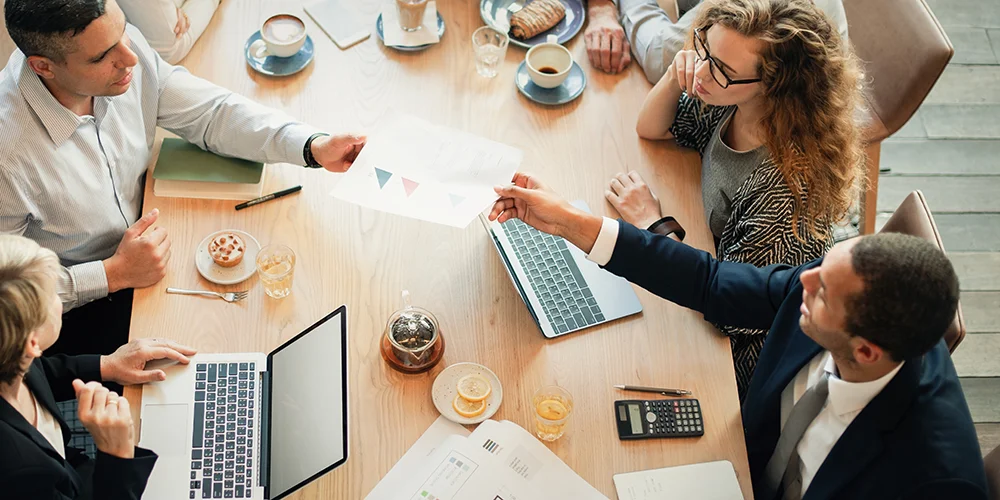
<point>417,169</point>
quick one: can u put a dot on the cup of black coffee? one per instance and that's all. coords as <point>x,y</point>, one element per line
<point>282,35</point>
<point>548,63</point>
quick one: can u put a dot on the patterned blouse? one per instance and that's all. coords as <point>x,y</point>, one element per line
<point>759,230</point>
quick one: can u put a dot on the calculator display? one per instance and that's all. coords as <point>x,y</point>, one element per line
<point>635,419</point>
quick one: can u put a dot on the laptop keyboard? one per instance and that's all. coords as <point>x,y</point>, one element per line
<point>222,447</point>
<point>556,279</point>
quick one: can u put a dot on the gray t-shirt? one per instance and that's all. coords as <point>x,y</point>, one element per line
<point>723,171</point>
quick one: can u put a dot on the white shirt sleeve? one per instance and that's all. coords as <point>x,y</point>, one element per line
<point>156,20</point>
<point>604,247</point>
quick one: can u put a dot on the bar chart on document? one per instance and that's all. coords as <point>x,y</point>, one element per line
<point>414,168</point>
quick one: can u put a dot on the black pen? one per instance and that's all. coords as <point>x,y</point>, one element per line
<point>665,392</point>
<point>269,197</point>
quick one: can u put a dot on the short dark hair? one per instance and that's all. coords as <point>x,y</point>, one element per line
<point>910,294</point>
<point>41,27</point>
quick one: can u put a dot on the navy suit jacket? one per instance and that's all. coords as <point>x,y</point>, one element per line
<point>914,440</point>
<point>31,469</point>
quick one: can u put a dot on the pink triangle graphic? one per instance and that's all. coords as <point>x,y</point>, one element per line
<point>409,186</point>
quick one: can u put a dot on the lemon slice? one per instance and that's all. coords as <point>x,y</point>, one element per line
<point>468,408</point>
<point>474,388</point>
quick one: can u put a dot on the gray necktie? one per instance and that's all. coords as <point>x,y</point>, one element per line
<point>783,466</point>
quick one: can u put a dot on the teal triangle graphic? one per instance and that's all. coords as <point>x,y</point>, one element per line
<point>456,200</point>
<point>383,177</point>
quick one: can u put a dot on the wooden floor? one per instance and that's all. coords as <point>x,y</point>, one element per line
<point>950,150</point>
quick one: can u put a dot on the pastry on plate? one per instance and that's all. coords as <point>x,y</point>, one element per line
<point>536,18</point>
<point>227,249</point>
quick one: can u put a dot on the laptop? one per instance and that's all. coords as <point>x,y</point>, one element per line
<point>563,290</point>
<point>250,425</point>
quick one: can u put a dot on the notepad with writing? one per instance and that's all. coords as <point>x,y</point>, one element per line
<point>184,170</point>
<point>704,481</point>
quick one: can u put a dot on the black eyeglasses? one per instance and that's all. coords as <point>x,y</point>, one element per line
<point>701,48</point>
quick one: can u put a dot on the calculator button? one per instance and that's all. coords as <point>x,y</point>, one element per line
<point>650,417</point>
<point>698,428</point>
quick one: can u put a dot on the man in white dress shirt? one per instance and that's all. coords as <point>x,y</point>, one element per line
<point>855,395</point>
<point>80,101</point>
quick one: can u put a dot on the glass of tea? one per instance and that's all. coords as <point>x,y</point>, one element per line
<point>276,267</point>
<point>411,14</point>
<point>553,405</point>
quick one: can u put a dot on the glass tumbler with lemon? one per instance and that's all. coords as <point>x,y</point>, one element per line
<point>473,390</point>
<point>553,405</point>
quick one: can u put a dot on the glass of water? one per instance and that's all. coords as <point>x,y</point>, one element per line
<point>553,405</point>
<point>490,46</point>
<point>276,267</point>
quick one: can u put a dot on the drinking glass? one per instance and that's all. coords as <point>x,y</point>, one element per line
<point>490,46</point>
<point>276,267</point>
<point>553,405</point>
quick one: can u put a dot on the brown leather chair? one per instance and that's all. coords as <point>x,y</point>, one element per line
<point>913,217</point>
<point>993,473</point>
<point>904,50</point>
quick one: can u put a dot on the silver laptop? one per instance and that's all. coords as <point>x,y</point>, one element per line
<point>250,425</point>
<point>563,290</point>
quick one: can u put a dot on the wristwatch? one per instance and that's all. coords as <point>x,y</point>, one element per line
<point>667,226</point>
<point>307,153</point>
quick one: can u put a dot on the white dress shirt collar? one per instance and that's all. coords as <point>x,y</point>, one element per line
<point>851,397</point>
<point>58,121</point>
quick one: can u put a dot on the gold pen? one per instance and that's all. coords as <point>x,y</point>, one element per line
<point>665,392</point>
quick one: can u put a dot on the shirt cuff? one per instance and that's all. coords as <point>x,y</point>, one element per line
<point>295,137</point>
<point>604,247</point>
<point>89,283</point>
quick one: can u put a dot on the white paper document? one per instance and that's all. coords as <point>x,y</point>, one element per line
<point>417,169</point>
<point>705,481</point>
<point>499,461</point>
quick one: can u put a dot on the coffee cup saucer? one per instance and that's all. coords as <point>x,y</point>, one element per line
<point>380,31</point>
<point>279,66</point>
<point>569,90</point>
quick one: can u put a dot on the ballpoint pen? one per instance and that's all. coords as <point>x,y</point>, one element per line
<point>269,197</point>
<point>665,392</point>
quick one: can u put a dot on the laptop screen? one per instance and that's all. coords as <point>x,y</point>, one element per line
<point>308,405</point>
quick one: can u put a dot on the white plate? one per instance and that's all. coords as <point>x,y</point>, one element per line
<point>227,275</point>
<point>446,388</point>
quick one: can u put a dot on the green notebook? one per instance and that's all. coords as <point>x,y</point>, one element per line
<point>182,161</point>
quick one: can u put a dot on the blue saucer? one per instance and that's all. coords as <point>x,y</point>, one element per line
<point>381,35</point>
<point>496,16</point>
<point>570,89</point>
<point>279,66</point>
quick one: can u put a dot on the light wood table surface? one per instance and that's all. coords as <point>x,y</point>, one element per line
<point>363,258</point>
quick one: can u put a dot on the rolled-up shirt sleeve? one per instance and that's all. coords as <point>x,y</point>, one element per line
<point>604,247</point>
<point>81,284</point>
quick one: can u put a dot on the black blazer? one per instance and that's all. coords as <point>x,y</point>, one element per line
<point>31,469</point>
<point>914,440</point>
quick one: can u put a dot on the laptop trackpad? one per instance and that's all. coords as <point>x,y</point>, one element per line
<point>165,432</point>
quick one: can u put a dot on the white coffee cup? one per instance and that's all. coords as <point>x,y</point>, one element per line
<point>282,35</point>
<point>549,63</point>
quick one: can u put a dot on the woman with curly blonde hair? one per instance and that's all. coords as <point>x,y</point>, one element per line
<point>766,92</point>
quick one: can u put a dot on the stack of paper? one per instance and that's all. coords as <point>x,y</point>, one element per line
<point>184,170</point>
<point>499,461</point>
<point>704,481</point>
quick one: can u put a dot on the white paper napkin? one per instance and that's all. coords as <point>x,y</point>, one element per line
<point>396,37</point>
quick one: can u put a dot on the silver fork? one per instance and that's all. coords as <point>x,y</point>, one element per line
<point>228,296</point>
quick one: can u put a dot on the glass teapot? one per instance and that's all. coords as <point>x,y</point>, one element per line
<point>412,341</point>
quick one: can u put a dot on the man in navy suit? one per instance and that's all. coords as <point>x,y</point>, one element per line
<point>855,395</point>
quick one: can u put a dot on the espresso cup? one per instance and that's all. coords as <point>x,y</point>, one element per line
<point>282,35</point>
<point>549,63</point>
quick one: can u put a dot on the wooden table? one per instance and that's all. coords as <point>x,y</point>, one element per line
<point>362,258</point>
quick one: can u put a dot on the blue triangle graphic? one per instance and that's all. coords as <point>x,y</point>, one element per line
<point>456,200</point>
<point>383,177</point>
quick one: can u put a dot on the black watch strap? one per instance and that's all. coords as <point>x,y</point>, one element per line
<point>307,154</point>
<point>667,226</point>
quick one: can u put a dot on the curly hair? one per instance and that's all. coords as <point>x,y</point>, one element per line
<point>812,90</point>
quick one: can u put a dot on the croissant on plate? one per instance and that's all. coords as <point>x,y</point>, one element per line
<point>536,17</point>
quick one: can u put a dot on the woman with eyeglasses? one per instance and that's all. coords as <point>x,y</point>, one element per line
<point>766,92</point>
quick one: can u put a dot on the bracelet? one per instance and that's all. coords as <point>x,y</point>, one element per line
<point>667,226</point>
<point>307,154</point>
